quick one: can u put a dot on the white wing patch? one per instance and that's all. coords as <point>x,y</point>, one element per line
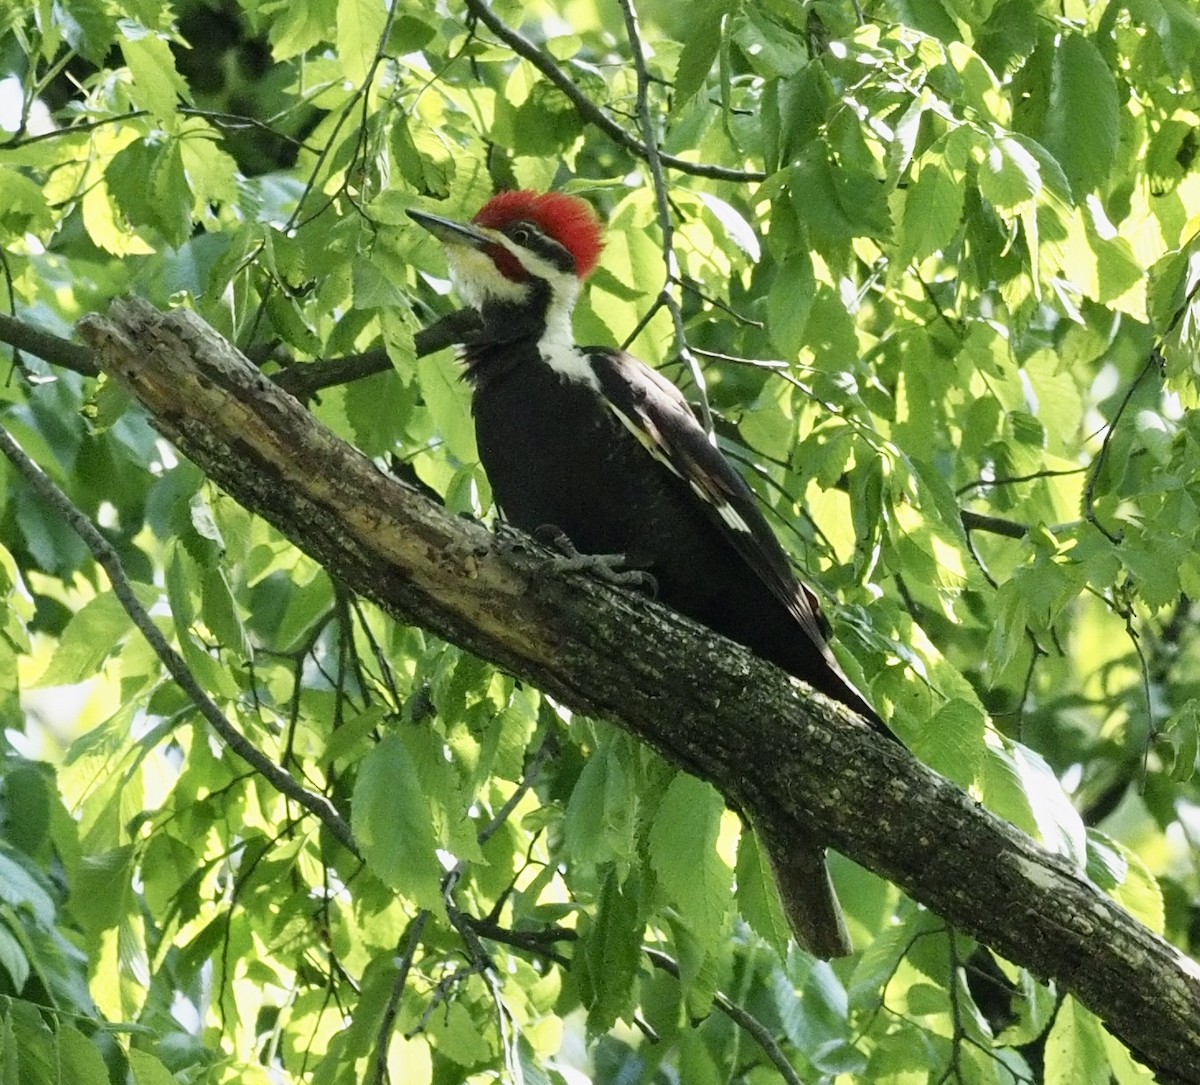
<point>649,441</point>
<point>724,509</point>
<point>646,440</point>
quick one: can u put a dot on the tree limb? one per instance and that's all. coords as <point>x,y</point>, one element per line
<point>785,755</point>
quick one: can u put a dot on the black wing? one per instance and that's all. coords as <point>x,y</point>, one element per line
<point>655,412</point>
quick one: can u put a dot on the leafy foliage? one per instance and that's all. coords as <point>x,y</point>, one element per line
<point>941,265</point>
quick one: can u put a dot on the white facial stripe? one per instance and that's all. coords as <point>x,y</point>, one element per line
<point>477,279</point>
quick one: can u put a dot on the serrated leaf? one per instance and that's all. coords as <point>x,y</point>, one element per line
<point>1009,626</point>
<point>769,48</point>
<point>1058,822</point>
<point>757,898</point>
<point>360,26</point>
<point>696,60</point>
<point>790,301</point>
<point>92,634</point>
<point>1009,176</point>
<point>102,889</point>
<point>1001,791</point>
<point>612,951</point>
<point>440,783</point>
<point>932,211</point>
<point>147,1070</point>
<point>456,1035</point>
<point>80,1059</point>
<point>26,804</point>
<point>393,824</point>
<point>12,957</point>
<point>1125,877</point>
<point>156,84</point>
<point>1075,1047</point>
<point>598,827</point>
<point>448,400</point>
<point>878,963</point>
<point>1083,116</point>
<point>20,889</point>
<point>952,742</point>
<point>23,205</point>
<point>683,855</point>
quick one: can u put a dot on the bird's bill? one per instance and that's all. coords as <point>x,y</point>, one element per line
<point>450,232</point>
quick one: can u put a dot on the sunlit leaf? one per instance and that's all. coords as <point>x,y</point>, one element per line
<point>1082,122</point>
<point>393,825</point>
<point>683,854</point>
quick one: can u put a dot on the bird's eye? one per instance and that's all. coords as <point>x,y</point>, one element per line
<point>522,235</point>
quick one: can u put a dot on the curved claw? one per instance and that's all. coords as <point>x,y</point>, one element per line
<point>611,568</point>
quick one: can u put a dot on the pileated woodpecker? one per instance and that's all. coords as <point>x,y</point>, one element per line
<point>590,441</point>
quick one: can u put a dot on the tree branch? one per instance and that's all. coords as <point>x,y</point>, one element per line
<point>47,346</point>
<point>302,380</point>
<point>787,756</point>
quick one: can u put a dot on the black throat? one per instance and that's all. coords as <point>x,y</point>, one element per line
<point>509,336</point>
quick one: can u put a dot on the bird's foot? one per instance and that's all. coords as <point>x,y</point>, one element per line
<point>611,568</point>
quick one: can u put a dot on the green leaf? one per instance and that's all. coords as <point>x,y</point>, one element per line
<point>952,742</point>
<point>147,1070</point>
<point>12,956</point>
<point>836,203</point>
<point>102,889</point>
<point>1009,176</point>
<point>790,301</point>
<point>457,1036</point>
<point>79,1058</point>
<point>933,209</point>
<point>92,634</point>
<point>448,400</point>
<point>696,59</point>
<point>393,824</point>
<point>454,830</point>
<point>22,204</point>
<point>1075,1047</point>
<point>25,799</point>
<point>683,855</point>
<point>1058,822</point>
<point>769,48</point>
<point>157,85</point>
<point>21,890</point>
<point>1082,124</point>
<point>611,953</point>
<point>1122,873</point>
<point>360,26</point>
<point>757,897</point>
<point>601,812</point>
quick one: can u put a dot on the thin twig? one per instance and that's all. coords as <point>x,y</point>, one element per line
<point>739,1017</point>
<point>1012,480</point>
<point>586,108</point>
<point>997,525</point>
<point>108,559</point>
<point>654,163</point>
<point>407,949</point>
<point>1089,493</point>
<point>47,346</point>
